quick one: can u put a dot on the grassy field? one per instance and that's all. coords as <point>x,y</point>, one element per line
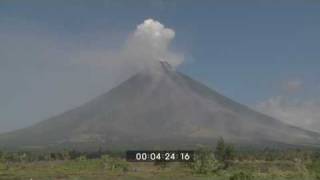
<point>221,163</point>
<point>87,169</point>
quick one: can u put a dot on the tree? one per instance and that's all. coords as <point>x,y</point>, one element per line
<point>224,152</point>
<point>74,154</point>
<point>229,152</point>
<point>220,149</point>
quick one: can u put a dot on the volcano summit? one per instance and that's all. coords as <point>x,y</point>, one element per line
<point>158,108</point>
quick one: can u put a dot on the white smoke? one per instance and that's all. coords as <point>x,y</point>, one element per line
<point>150,43</point>
<point>143,49</point>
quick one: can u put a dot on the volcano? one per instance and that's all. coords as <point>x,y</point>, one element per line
<point>158,108</point>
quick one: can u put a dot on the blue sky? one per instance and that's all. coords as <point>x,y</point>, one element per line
<point>249,51</point>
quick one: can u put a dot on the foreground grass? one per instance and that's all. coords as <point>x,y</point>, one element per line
<point>98,170</point>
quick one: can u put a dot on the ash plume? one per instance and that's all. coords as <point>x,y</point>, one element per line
<point>142,50</point>
<point>150,42</point>
<point>146,46</point>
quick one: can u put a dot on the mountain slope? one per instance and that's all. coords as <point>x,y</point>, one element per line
<point>158,108</point>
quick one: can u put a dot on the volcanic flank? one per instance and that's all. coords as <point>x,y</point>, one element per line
<point>158,108</point>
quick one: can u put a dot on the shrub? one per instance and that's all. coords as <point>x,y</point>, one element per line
<point>66,155</point>
<point>112,163</point>
<point>204,161</point>
<point>82,158</point>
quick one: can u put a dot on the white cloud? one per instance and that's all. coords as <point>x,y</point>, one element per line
<point>304,114</point>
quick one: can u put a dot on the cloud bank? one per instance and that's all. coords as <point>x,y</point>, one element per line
<point>287,107</point>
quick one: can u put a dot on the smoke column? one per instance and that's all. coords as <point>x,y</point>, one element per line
<point>149,44</point>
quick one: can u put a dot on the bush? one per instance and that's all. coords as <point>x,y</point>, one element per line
<point>82,158</point>
<point>204,161</point>
<point>66,155</point>
<point>241,176</point>
<point>112,163</point>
